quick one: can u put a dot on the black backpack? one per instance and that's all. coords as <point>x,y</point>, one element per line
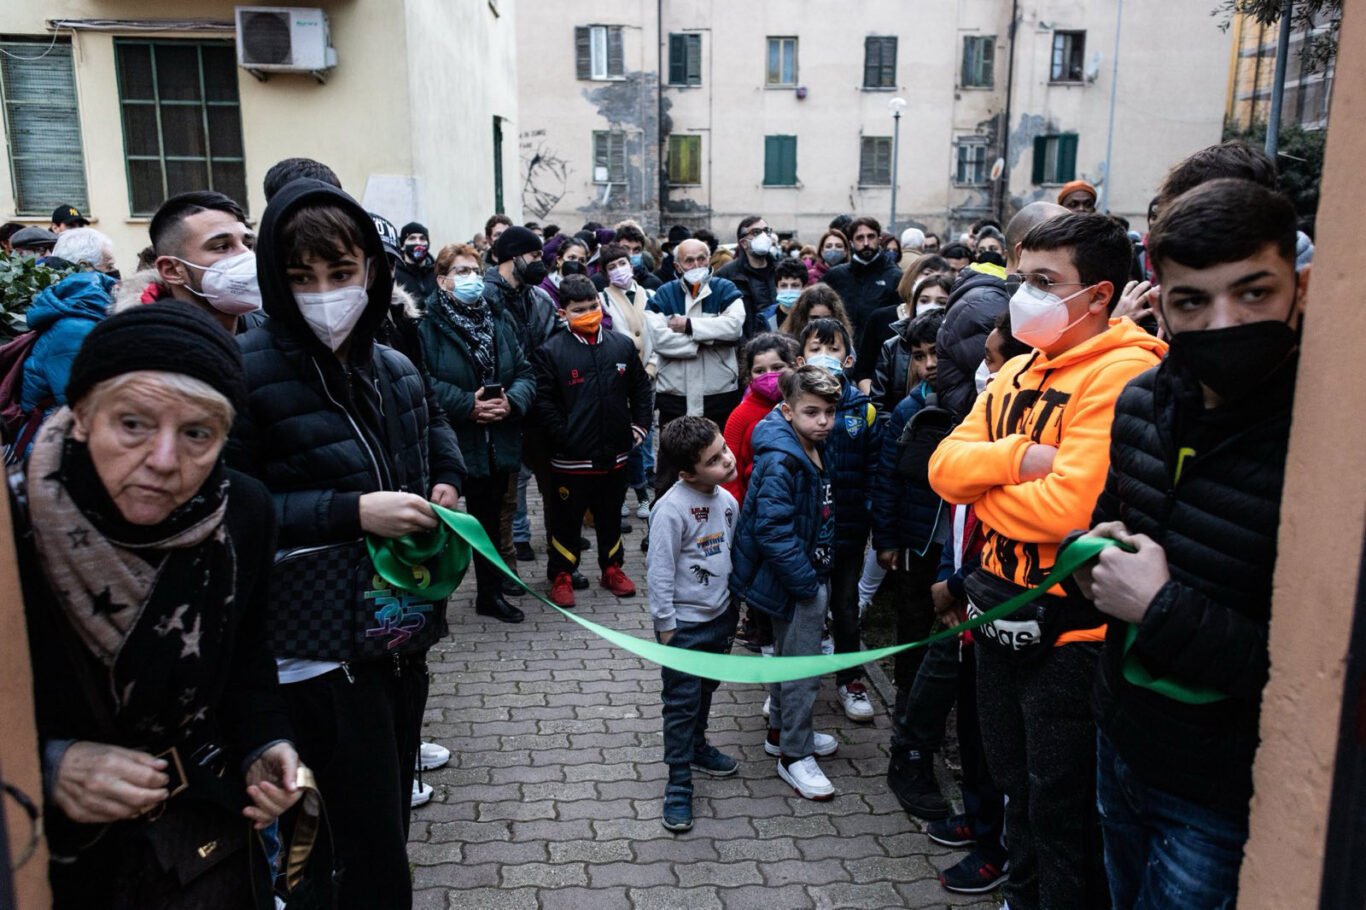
<point>922,435</point>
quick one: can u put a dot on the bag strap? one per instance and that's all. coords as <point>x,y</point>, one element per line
<point>311,823</point>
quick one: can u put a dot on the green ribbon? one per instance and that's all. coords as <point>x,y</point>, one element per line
<point>432,563</point>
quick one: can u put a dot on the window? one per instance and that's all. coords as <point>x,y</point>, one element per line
<point>780,161</point>
<point>1069,51</point>
<point>38,88</point>
<point>875,161</point>
<point>182,124</point>
<point>685,160</point>
<point>879,62</point>
<point>971,169</point>
<point>1055,158</point>
<point>685,59</point>
<point>598,53</point>
<point>609,156</point>
<point>782,61</point>
<point>979,53</point>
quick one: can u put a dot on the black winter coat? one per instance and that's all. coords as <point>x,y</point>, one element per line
<point>316,430</point>
<point>977,301</point>
<point>417,278</point>
<point>893,366</point>
<point>588,396</point>
<point>532,309</point>
<point>1208,626</point>
<point>757,286</point>
<point>865,288</point>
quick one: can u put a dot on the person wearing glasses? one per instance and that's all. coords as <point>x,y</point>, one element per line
<point>978,299</point>
<point>753,270</point>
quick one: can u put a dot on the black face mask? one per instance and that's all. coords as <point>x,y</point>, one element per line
<point>530,273</point>
<point>572,267</point>
<point>1236,361</point>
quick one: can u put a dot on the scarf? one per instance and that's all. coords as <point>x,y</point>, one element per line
<point>475,325</point>
<point>149,603</point>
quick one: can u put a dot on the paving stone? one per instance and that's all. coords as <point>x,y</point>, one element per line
<point>598,809</point>
<point>503,852</point>
<point>811,872</point>
<point>494,899</point>
<point>435,854</point>
<point>600,772</point>
<point>592,852</point>
<point>685,848</point>
<point>551,830</point>
<point>632,875</point>
<point>770,850</point>
<point>858,897</point>
<point>928,893</point>
<point>723,874</point>
<point>585,899</point>
<point>887,868</point>
<point>456,876</point>
<point>544,875</point>
<point>813,826</point>
<point>674,899</point>
<point>517,811</point>
<point>561,792</point>
<point>467,832</point>
<point>788,897</point>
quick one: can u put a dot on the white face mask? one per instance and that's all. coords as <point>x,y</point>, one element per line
<point>761,244</point>
<point>982,377</point>
<point>922,308</point>
<point>1039,318</point>
<point>229,285</point>
<point>696,276</point>
<point>333,314</point>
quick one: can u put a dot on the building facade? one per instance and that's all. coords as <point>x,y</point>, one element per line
<point>1253,70</point>
<point>692,112</point>
<point>111,106</point>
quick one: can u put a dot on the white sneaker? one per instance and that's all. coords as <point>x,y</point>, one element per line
<point>422,794</point>
<point>825,745</point>
<point>430,756</point>
<point>643,511</point>
<point>806,778</point>
<point>765,650</point>
<point>768,703</point>
<point>854,700</point>
<point>827,645</point>
<point>625,510</point>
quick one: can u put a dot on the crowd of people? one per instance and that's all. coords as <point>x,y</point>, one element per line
<point>205,446</point>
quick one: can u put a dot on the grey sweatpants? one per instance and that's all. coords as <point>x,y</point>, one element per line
<point>792,702</point>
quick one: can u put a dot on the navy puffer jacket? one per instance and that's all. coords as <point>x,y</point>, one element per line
<point>852,451</point>
<point>905,515</point>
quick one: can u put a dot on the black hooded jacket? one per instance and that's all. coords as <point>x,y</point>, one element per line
<point>321,433</point>
<point>865,288</point>
<point>977,301</point>
<point>417,278</point>
<point>759,287</point>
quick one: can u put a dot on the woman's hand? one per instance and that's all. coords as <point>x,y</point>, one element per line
<point>489,410</point>
<point>97,783</point>
<point>272,785</point>
<point>395,514</point>
<point>446,496</point>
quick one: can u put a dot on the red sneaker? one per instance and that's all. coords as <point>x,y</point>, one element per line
<point>615,580</point>
<point>562,591</point>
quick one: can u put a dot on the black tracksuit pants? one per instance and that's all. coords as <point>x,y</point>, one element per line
<point>484,499</point>
<point>569,497</point>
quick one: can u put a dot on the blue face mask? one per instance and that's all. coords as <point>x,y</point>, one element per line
<point>786,298</point>
<point>468,288</point>
<point>827,362</point>
<point>637,260</point>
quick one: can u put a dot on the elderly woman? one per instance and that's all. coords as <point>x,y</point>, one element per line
<point>144,565</point>
<point>483,381</point>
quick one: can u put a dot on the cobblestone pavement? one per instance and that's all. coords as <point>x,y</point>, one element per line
<point>552,797</point>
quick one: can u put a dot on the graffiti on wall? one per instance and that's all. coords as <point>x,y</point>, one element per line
<point>545,175</point>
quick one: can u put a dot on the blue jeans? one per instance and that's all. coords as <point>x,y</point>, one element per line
<point>521,521</point>
<point>687,698</point>
<point>1163,851</point>
<point>640,461</point>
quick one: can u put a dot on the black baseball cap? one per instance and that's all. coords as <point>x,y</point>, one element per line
<point>69,214</point>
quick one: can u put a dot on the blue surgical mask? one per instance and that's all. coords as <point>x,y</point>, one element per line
<point>786,298</point>
<point>468,288</point>
<point>827,362</point>
<point>637,260</point>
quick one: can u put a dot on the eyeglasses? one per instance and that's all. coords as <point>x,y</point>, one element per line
<point>754,232</point>
<point>460,271</point>
<point>1038,282</point>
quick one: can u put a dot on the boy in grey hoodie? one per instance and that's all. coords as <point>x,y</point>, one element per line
<point>688,570</point>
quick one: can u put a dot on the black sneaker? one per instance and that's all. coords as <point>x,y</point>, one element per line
<point>974,874</point>
<point>524,551</point>
<point>580,583</point>
<point>954,831</point>
<point>911,780</point>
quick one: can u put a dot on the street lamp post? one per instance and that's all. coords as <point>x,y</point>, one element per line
<point>895,105</point>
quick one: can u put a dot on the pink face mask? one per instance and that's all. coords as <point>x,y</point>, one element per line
<point>766,385</point>
<point>620,276</point>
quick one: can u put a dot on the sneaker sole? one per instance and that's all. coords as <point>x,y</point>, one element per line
<point>975,889</point>
<point>615,594</point>
<point>423,798</point>
<point>776,751</point>
<point>814,797</point>
<point>860,718</point>
<point>947,842</point>
<point>678,827</point>
<point>432,766</point>
<point>712,772</point>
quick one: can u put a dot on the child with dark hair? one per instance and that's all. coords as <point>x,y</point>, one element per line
<point>852,450</point>
<point>789,277</point>
<point>688,568</point>
<point>782,558</point>
<point>911,351</point>
<point>595,404</point>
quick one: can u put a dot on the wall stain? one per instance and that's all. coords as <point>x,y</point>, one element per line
<point>630,104</point>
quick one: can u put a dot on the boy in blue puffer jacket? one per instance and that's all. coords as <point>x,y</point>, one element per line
<point>62,315</point>
<point>854,447</point>
<point>782,557</point>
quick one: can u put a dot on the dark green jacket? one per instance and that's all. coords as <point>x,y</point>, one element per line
<point>487,447</point>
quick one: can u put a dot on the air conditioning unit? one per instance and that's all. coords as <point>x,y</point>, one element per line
<point>283,39</point>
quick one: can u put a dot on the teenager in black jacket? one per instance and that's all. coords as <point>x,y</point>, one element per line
<point>595,403</point>
<point>1196,469</point>
<point>345,435</point>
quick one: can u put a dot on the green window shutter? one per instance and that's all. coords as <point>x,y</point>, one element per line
<point>615,57</point>
<point>870,62</point>
<point>599,153</point>
<point>988,53</point>
<point>1040,156</point>
<point>888,74</point>
<point>42,125</point>
<point>771,165</point>
<point>685,159</point>
<point>969,59</point>
<point>865,161</point>
<point>583,52</point>
<point>789,160</point>
<point>1067,157</point>
<point>616,147</point>
<point>780,160</point>
<point>678,60</point>
<point>694,60</point>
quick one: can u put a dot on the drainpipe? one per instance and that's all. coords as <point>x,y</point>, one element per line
<point>1273,123</point>
<point>1003,185</point>
<point>659,112</point>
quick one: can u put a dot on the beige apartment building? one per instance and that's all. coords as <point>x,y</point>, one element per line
<point>697,112</point>
<point>112,105</point>
<point>1253,69</point>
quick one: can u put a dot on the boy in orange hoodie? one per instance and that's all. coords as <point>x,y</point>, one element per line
<point>1031,458</point>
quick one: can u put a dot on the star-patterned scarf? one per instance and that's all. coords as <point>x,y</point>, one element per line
<point>150,603</point>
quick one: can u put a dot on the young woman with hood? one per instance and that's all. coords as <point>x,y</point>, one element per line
<point>345,436</point>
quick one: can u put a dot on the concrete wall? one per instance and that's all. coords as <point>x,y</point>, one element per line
<point>365,122</point>
<point>1323,518</point>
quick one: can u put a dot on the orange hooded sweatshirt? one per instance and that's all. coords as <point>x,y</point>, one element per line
<point>1067,401</point>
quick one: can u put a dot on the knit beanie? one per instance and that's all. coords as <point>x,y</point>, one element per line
<point>166,337</point>
<point>412,227</point>
<point>515,241</point>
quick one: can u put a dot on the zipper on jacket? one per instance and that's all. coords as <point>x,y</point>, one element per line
<point>374,462</point>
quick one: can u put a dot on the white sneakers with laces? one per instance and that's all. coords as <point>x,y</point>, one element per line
<point>430,756</point>
<point>806,777</point>
<point>854,701</point>
<point>824,745</point>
